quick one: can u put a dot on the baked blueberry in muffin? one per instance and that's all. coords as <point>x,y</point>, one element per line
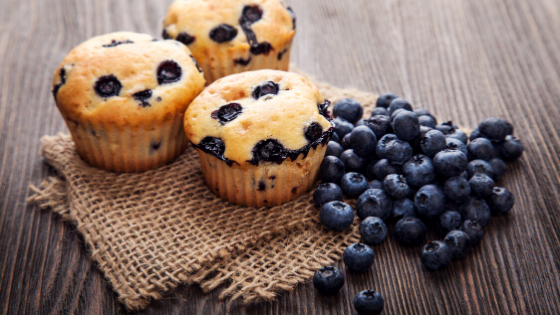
<point>231,36</point>
<point>260,135</point>
<point>123,97</point>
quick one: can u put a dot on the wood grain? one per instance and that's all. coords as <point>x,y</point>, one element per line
<point>463,60</point>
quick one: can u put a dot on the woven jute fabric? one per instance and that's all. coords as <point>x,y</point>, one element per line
<point>148,232</point>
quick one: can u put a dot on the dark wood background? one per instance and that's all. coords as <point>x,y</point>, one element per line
<point>464,60</point>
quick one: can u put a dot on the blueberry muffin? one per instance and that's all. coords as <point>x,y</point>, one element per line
<point>260,135</point>
<point>232,36</point>
<point>123,97</point>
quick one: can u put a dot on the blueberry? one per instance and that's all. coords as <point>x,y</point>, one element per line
<point>495,129</point>
<point>459,243</point>
<point>416,142</point>
<point>313,132</point>
<point>352,161</point>
<point>168,72</point>
<point>480,148</point>
<point>476,209</point>
<point>427,121</point>
<point>501,201</point>
<point>383,145</point>
<point>479,167</point>
<point>396,112</point>
<point>358,257</point>
<point>212,146</point>
<point>251,13</point>
<point>323,108</point>
<point>399,103</point>
<point>62,75</point>
<point>457,189</point>
<point>450,163</point>
<point>223,33</point>
<point>334,149</point>
<point>185,38</point>
<point>429,201</point>
<point>446,128</point>
<point>403,208</point>
<point>327,192</point>
<point>436,255</point>
<point>425,112</point>
<point>375,184</point>
<point>474,230</point>
<point>332,169</point>
<point>373,230</point>
<point>459,135</point>
<point>448,221</point>
<point>328,280</point>
<point>406,126</point>
<point>456,144</point>
<point>395,186</point>
<point>410,231</point>
<point>348,109</point>
<point>336,216</point>
<point>269,150</point>
<point>475,134</point>
<point>229,112</point>
<point>481,185</point>
<point>293,15</point>
<point>498,166</point>
<point>383,168</point>
<point>342,127</point>
<point>107,86</point>
<point>360,123</point>
<point>379,124</point>
<point>363,140</point>
<point>345,143</point>
<point>433,142</point>
<point>368,302</point>
<point>398,151</point>
<point>495,151</point>
<point>379,111</point>
<point>266,88</point>
<point>511,149</point>
<point>335,137</point>
<point>143,97</point>
<point>374,203</point>
<point>419,170</point>
<point>384,100</point>
<point>353,184</point>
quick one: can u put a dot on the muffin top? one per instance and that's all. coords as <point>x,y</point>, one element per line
<point>126,79</point>
<point>257,26</point>
<point>259,116</point>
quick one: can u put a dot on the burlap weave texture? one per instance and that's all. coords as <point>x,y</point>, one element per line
<point>148,232</point>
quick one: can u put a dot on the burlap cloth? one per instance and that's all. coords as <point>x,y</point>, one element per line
<point>148,232</point>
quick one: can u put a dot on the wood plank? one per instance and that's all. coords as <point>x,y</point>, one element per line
<point>463,60</point>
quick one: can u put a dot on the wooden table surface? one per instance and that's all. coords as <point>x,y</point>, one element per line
<point>464,60</point>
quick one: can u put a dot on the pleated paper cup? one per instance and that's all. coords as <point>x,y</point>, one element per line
<point>123,149</point>
<point>264,185</point>
<point>217,64</point>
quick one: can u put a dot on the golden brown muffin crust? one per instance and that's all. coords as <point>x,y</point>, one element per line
<point>132,60</point>
<point>293,116</point>
<point>195,20</point>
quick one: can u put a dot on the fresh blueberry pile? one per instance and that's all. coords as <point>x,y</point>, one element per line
<point>422,174</point>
